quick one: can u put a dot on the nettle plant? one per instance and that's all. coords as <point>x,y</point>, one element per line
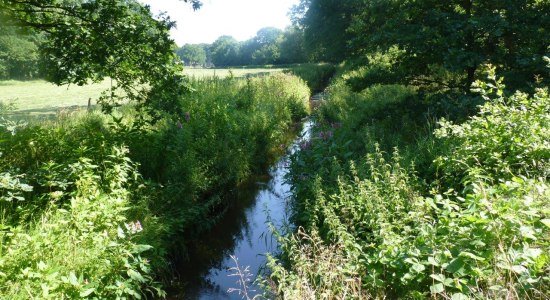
<point>85,248</point>
<point>482,232</point>
<point>509,137</point>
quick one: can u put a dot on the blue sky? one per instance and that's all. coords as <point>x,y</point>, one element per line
<point>238,18</point>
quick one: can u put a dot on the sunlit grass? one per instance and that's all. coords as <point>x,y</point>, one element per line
<point>237,72</point>
<point>41,97</point>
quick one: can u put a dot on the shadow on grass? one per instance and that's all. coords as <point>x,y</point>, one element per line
<point>46,113</point>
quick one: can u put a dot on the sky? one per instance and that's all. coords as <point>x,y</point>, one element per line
<point>238,18</point>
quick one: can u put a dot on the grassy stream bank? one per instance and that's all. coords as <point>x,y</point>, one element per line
<point>94,205</point>
<point>408,195</point>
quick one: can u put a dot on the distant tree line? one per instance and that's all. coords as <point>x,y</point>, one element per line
<point>269,46</point>
<point>19,56</point>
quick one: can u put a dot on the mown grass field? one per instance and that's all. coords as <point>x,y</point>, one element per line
<point>40,97</point>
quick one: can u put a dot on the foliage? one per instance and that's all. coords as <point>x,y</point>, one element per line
<point>516,144</point>
<point>458,36</point>
<point>225,51</point>
<point>75,214</point>
<point>440,43</point>
<point>325,24</point>
<point>478,228</point>
<point>269,46</point>
<point>92,40</point>
<point>317,76</point>
<point>82,244</point>
<point>18,55</point>
<point>192,55</point>
<point>292,46</point>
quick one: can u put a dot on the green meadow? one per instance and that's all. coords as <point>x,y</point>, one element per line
<point>39,97</point>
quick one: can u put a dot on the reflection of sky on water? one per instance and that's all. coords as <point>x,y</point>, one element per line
<point>243,232</point>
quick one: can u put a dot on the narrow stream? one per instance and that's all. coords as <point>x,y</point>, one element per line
<point>242,233</point>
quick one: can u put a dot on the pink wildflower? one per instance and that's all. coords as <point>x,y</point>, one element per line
<point>134,227</point>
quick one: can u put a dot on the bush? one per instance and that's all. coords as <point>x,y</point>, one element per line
<point>509,137</point>
<point>82,245</point>
<point>317,76</point>
<point>476,229</point>
<point>78,220</point>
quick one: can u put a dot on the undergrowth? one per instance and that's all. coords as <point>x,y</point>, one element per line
<point>100,206</point>
<point>460,211</point>
<point>317,76</point>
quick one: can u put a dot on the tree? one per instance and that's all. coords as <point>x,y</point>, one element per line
<point>267,46</point>
<point>192,55</point>
<point>292,46</point>
<point>247,50</point>
<point>225,51</point>
<point>19,57</point>
<point>325,24</point>
<point>93,39</point>
<point>457,36</point>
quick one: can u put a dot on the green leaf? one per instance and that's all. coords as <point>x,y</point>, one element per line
<point>519,269</point>
<point>438,277</point>
<point>45,290</point>
<point>120,233</point>
<point>459,296</point>
<point>456,265</point>
<point>136,276</point>
<point>418,268</point>
<point>471,255</point>
<point>87,292</point>
<point>437,288</point>
<point>432,261</point>
<point>72,279</point>
<point>142,248</point>
<point>546,222</point>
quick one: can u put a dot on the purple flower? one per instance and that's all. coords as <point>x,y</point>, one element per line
<point>187,117</point>
<point>180,126</point>
<point>325,135</point>
<point>305,145</point>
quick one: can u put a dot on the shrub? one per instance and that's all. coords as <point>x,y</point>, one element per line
<point>83,248</point>
<point>317,76</point>
<point>509,137</point>
<point>476,229</point>
<point>71,195</point>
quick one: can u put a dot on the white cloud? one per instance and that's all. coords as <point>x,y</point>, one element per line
<point>238,18</point>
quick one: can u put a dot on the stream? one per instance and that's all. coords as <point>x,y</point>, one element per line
<point>243,234</point>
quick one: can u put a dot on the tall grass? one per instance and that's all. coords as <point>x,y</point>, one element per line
<point>94,205</point>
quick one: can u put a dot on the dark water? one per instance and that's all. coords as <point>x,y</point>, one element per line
<point>243,233</point>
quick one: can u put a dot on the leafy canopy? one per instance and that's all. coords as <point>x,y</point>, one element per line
<point>92,40</point>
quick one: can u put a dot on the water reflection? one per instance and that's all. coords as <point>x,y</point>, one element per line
<point>243,233</point>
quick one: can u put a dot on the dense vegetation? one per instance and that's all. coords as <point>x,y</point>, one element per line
<point>19,57</point>
<point>427,174</point>
<point>91,205</point>
<point>458,212</point>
